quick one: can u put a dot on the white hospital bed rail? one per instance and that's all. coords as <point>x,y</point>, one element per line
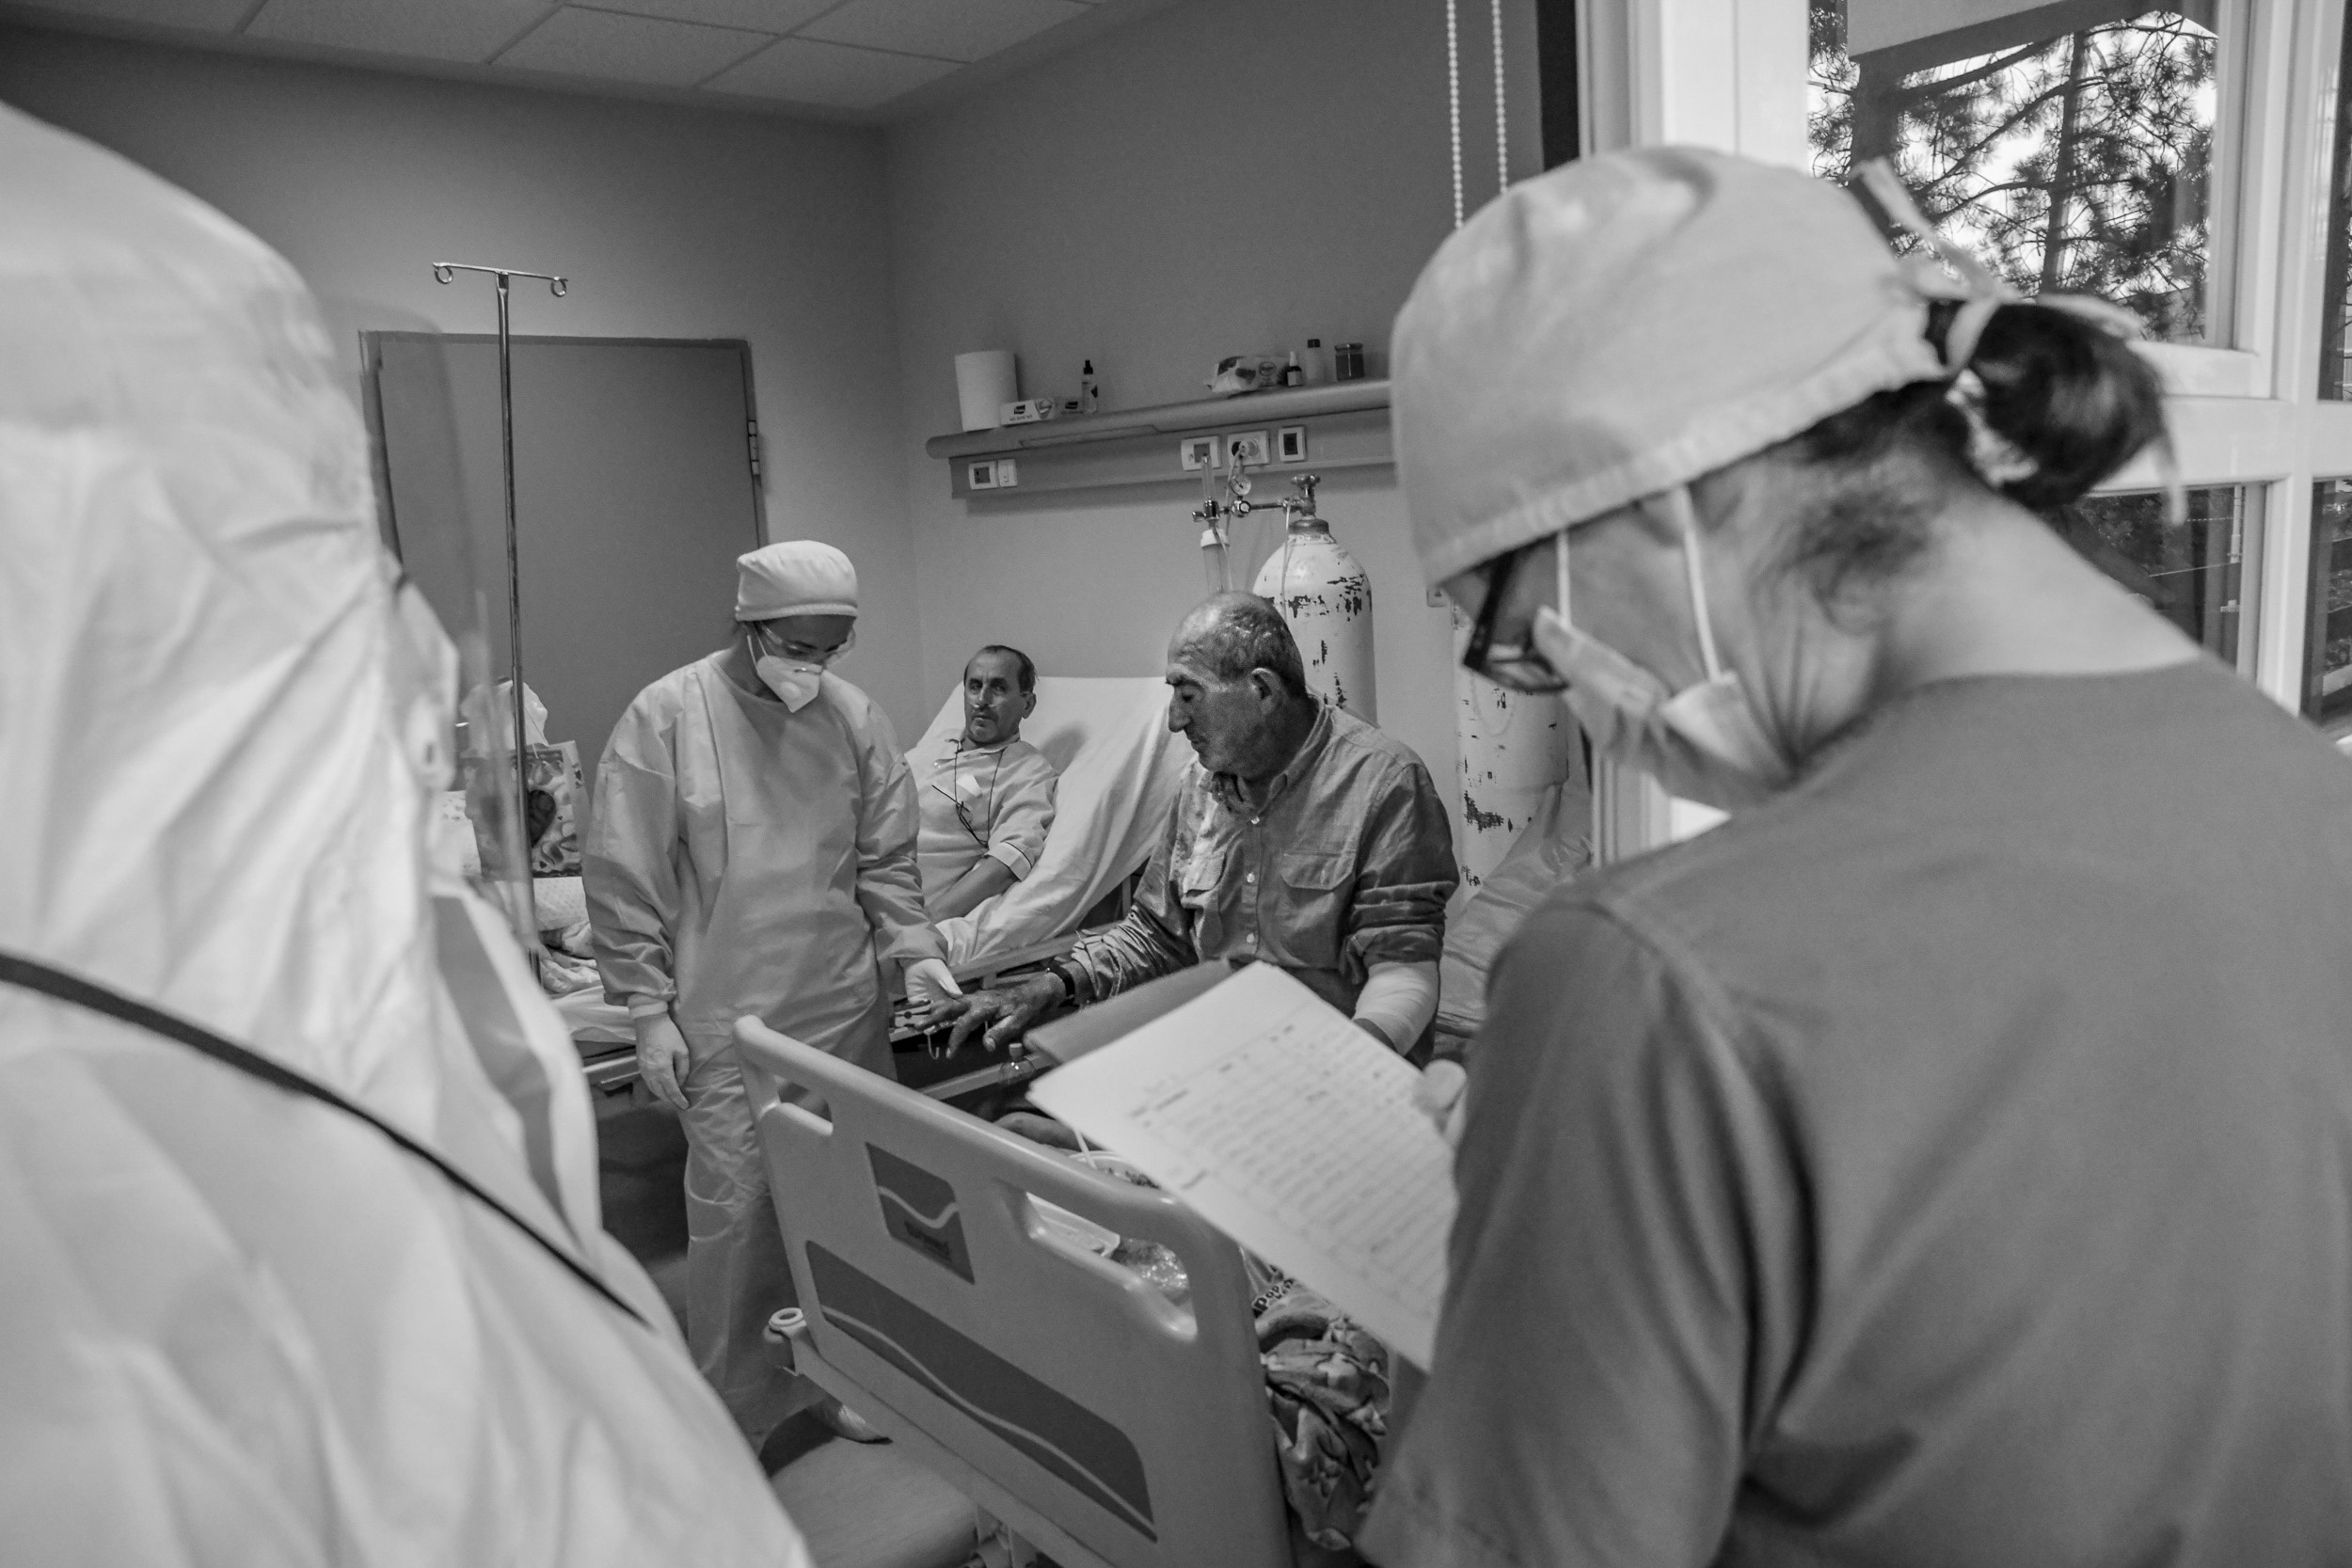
<point>1060,1390</point>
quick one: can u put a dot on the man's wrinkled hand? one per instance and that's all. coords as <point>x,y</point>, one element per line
<point>1002,1015</point>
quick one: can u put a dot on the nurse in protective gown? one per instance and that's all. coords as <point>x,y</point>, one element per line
<point>242,1327</point>
<point>752,854</point>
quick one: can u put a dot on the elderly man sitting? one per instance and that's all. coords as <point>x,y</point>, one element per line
<point>987,794</point>
<point>1302,837</point>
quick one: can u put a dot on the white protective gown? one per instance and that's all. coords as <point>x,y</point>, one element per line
<point>242,1327</point>
<point>744,859</point>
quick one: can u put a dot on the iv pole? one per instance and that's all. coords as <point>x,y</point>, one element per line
<point>446,272</point>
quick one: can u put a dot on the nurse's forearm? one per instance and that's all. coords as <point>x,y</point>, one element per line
<point>986,879</point>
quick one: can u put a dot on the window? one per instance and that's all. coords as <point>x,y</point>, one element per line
<point>2335,304</point>
<point>2072,160</point>
<point>2327,627</point>
<point>2193,574</point>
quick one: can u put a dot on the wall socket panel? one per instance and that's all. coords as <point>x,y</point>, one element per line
<point>994,473</point>
<point>1290,444</point>
<point>1216,452</point>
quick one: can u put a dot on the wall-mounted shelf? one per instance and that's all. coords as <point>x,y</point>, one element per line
<point>1346,426</point>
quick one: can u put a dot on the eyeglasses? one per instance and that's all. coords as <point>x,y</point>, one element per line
<point>1516,666</point>
<point>802,653</point>
<point>963,811</point>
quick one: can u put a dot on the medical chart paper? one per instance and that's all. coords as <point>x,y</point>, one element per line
<point>1292,1131</point>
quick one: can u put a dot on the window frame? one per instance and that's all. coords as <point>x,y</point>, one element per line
<point>2244,411</point>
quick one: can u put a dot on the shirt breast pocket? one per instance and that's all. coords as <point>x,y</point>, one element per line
<point>1315,886</point>
<point>1198,879</point>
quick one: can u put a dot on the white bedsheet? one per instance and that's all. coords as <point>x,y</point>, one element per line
<point>1120,767</point>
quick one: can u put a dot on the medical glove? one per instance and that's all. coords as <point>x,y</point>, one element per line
<point>928,983</point>
<point>661,1057</point>
<point>1438,1096</point>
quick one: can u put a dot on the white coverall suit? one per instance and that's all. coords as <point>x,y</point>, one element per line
<point>748,860</point>
<point>239,1328</point>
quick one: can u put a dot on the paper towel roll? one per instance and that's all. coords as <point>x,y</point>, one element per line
<point>984,383</point>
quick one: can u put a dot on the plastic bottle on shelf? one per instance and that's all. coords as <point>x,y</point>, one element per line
<point>1293,374</point>
<point>1312,363</point>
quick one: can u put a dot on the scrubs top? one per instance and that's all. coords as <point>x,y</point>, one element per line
<point>1949,1161</point>
<point>1348,864</point>
<point>994,804</point>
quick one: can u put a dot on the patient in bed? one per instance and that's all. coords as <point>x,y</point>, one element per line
<point>987,794</point>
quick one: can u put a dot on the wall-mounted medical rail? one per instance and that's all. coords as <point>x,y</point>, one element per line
<point>1346,424</point>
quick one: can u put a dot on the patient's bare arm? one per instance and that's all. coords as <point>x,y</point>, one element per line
<point>1004,1013</point>
<point>987,878</point>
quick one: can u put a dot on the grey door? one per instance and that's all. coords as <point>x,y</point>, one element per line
<point>633,495</point>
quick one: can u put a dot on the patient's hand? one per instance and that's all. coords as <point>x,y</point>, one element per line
<point>1004,1013</point>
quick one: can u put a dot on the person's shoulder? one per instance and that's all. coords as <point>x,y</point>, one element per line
<point>663,699</point>
<point>849,701</point>
<point>1027,762</point>
<point>1355,739</point>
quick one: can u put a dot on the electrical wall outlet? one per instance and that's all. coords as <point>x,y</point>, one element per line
<point>1008,473</point>
<point>1252,446</point>
<point>980,476</point>
<point>1199,452</point>
<point>1290,442</point>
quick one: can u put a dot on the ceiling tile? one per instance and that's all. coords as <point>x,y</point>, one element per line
<point>758,16</point>
<point>211,16</point>
<point>801,71</point>
<point>470,30</point>
<point>580,42</point>
<point>947,29</point>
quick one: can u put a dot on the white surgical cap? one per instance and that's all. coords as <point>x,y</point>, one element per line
<point>794,577</point>
<point>1626,323</point>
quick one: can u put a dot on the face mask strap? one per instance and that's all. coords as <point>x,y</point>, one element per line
<point>1560,575</point>
<point>1687,517</point>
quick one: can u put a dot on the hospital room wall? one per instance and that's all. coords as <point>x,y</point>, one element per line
<point>671,222</point>
<point>1221,177</point>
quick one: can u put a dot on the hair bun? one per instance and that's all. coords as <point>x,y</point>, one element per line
<point>2067,393</point>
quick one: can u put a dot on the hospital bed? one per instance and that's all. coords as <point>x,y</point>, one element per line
<point>1120,767</point>
<point>946,1294</point>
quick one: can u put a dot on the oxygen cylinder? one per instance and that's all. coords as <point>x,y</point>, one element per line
<point>1326,598</point>
<point>1514,747</point>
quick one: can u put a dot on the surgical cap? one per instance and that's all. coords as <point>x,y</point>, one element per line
<point>794,577</point>
<point>1626,323</point>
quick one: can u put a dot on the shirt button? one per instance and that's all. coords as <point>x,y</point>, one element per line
<point>1250,876</point>
<point>1253,821</point>
<point>1252,938</point>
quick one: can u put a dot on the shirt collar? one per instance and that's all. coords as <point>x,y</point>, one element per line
<point>1227,788</point>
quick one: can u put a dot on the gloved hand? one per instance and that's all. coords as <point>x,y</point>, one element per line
<point>930,983</point>
<point>661,1057</point>
<point>1439,1094</point>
